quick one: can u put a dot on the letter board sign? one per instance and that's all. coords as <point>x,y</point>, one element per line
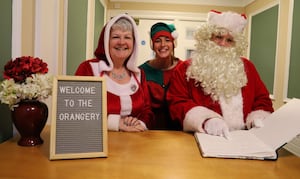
<point>79,124</point>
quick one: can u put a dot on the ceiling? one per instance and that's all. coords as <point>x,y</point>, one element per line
<point>235,3</point>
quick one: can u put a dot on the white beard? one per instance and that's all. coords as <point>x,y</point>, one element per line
<point>218,70</point>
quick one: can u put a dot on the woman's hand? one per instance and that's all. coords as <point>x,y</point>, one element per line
<point>131,124</point>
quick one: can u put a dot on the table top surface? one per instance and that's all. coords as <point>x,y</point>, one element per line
<point>150,154</point>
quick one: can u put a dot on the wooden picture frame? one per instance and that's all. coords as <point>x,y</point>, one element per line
<point>79,118</point>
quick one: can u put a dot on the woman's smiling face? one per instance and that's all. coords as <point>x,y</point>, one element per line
<point>120,44</point>
<point>163,47</point>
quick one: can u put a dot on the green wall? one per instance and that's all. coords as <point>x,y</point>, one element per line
<point>263,44</point>
<point>294,69</point>
<point>99,21</point>
<point>77,29</point>
<point>6,32</point>
<point>5,55</point>
<point>76,34</point>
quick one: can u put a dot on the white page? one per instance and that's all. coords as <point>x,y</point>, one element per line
<point>242,144</point>
<point>281,126</point>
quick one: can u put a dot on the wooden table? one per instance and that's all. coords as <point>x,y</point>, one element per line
<point>151,154</point>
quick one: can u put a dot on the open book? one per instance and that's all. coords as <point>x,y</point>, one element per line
<point>257,143</point>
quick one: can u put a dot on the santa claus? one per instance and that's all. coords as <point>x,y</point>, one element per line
<point>218,90</point>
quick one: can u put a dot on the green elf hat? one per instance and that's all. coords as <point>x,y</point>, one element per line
<point>162,29</point>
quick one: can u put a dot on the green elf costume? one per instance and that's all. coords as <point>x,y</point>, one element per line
<point>158,78</point>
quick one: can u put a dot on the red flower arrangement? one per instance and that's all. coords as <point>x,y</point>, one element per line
<point>25,78</point>
<point>23,67</point>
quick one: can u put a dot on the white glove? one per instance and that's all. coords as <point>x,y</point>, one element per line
<point>258,122</point>
<point>218,127</point>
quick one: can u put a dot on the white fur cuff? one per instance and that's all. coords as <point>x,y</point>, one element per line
<point>196,116</point>
<point>113,122</point>
<point>258,114</point>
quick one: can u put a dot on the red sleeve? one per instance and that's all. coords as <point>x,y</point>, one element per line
<point>179,96</point>
<point>256,91</point>
<point>146,115</point>
<point>84,69</point>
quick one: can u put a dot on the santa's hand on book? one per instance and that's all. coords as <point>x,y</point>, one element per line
<point>218,127</point>
<point>257,122</point>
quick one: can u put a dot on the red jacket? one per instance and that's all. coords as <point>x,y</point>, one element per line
<point>183,96</point>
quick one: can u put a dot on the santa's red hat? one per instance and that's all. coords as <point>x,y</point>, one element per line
<point>230,20</point>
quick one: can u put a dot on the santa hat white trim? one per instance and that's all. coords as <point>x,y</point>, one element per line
<point>121,89</point>
<point>99,67</point>
<point>131,64</point>
<point>232,21</point>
